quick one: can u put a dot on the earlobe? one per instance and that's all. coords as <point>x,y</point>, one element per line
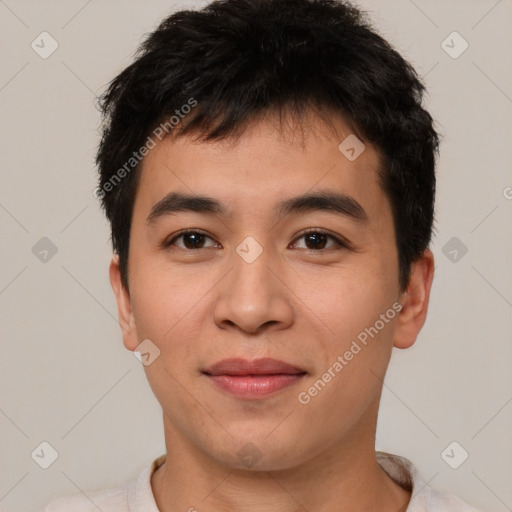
<point>414,301</point>
<point>124,308</point>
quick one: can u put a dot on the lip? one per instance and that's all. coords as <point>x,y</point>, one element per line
<point>253,379</point>
<point>264,366</point>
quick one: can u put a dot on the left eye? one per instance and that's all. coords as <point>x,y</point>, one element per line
<point>318,240</point>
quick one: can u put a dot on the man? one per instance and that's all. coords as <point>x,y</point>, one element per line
<point>268,172</point>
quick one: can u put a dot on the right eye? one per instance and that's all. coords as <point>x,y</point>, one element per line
<point>190,240</point>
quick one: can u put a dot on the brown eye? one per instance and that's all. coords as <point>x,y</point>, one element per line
<point>193,240</point>
<point>190,240</point>
<point>317,240</point>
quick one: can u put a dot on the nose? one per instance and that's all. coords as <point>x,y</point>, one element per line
<point>253,297</point>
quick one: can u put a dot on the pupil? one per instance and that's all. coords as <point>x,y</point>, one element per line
<point>317,239</point>
<point>195,239</point>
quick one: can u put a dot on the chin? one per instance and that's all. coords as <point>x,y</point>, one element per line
<point>260,452</point>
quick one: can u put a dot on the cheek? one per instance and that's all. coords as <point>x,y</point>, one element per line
<point>355,357</point>
<point>357,345</point>
<point>348,300</point>
<point>167,300</point>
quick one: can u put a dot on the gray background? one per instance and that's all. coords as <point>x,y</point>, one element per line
<point>65,375</point>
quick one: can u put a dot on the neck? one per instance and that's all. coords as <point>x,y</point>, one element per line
<point>343,478</point>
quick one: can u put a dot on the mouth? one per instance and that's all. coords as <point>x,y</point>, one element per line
<point>253,379</point>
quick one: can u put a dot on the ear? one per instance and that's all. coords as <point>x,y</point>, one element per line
<point>124,307</point>
<point>414,301</point>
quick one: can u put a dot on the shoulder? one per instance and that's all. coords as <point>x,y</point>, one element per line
<point>423,497</point>
<point>112,500</point>
<point>430,500</point>
<point>135,495</point>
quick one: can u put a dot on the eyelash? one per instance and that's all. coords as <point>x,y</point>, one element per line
<point>339,243</point>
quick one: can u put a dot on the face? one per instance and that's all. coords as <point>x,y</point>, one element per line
<point>289,256</point>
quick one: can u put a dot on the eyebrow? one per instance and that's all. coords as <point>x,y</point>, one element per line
<point>338,203</point>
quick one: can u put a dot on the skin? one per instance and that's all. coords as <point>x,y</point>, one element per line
<point>296,303</point>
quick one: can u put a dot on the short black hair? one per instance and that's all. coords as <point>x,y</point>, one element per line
<point>236,60</point>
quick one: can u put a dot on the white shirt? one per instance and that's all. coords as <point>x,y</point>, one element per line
<point>137,495</point>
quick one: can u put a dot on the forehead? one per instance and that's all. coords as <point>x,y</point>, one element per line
<point>269,162</point>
